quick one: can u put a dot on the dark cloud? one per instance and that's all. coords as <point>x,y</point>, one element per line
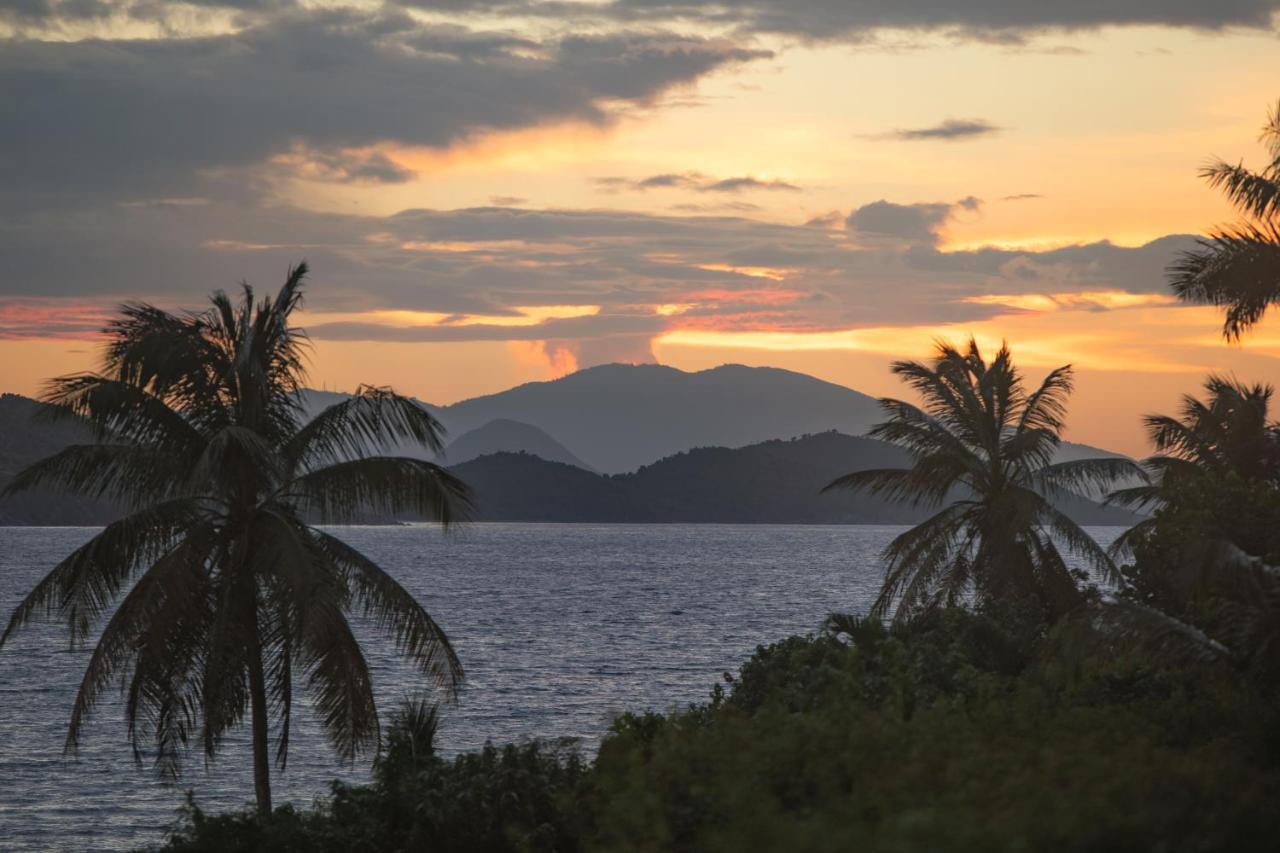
<point>145,117</point>
<point>908,223</point>
<point>994,21</point>
<point>695,181</point>
<point>507,200</point>
<point>1022,197</point>
<point>999,20</point>
<point>951,130</point>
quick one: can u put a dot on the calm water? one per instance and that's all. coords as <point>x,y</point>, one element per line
<point>560,627</point>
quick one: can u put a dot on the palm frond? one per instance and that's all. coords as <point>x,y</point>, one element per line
<point>1088,476</point>
<point>132,474</point>
<point>1254,194</point>
<point>388,484</point>
<point>83,585</point>
<point>1236,267</point>
<point>374,421</point>
<point>171,592</point>
<point>398,613</point>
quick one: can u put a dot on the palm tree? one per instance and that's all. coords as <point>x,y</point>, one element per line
<point>1201,582</point>
<point>201,437</point>
<point>1229,433</point>
<point>984,447</point>
<point>1238,266</point>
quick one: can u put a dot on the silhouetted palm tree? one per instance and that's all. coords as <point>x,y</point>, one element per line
<point>1238,267</point>
<point>1230,432</point>
<point>202,437</point>
<point>1214,463</point>
<point>984,447</point>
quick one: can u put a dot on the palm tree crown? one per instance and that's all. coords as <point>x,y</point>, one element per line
<point>1238,267</point>
<point>983,446</point>
<point>1229,433</point>
<point>232,593</point>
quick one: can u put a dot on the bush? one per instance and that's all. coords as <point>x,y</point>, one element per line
<point>961,732</point>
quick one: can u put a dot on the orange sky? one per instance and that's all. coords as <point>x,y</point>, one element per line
<point>675,222</point>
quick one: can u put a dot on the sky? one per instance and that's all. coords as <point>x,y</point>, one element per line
<point>491,192</point>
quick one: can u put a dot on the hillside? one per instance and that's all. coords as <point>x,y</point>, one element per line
<point>507,436</point>
<point>772,482</point>
<point>26,438</point>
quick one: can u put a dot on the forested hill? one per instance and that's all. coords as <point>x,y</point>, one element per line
<point>771,482</point>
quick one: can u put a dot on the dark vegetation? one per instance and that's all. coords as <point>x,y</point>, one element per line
<point>955,732</point>
<point>776,481</point>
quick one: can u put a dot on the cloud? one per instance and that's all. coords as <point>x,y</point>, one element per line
<point>647,273</point>
<point>342,167</point>
<point>950,130</point>
<point>507,200</point>
<point>992,21</point>
<point>999,20</point>
<point>695,181</point>
<point>910,223</point>
<point>157,117</point>
<point>1022,197</point>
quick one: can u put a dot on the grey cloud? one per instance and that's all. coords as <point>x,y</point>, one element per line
<point>950,130</point>
<point>1022,197</point>
<point>507,200</point>
<point>909,223</point>
<point>826,20</point>
<point>735,206</point>
<point>695,181</point>
<point>143,117</point>
<point>996,21</point>
<point>734,185</point>
<point>348,167</point>
<point>491,260</point>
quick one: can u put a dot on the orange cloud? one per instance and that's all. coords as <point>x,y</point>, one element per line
<point>39,318</point>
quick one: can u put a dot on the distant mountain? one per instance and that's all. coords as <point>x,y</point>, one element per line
<point>617,417</point>
<point>505,436</point>
<point>772,482</point>
<point>27,438</point>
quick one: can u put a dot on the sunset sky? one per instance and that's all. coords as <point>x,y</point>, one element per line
<point>494,192</point>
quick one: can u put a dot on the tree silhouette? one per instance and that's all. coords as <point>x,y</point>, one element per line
<point>984,447</point>
<point>1238,266</point>
<point>233,595</point>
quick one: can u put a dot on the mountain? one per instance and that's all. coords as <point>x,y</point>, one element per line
<point>506,436</point>
<point>617,417</point>
<point>25,438</point>
<point>775,481</point>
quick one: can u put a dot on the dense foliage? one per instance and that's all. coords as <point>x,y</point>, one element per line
<point>961,731</point>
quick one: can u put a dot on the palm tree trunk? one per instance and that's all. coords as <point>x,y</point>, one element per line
<point>258,703</point>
